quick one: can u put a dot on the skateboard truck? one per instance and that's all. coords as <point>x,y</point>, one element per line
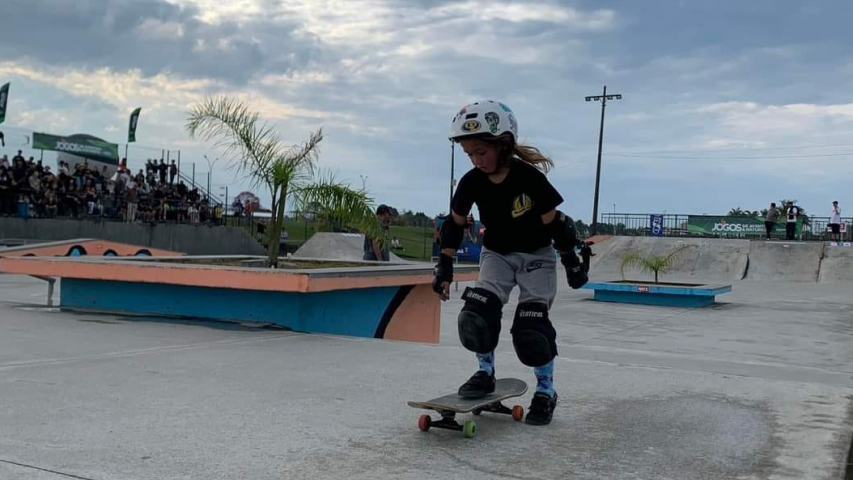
<point>469,428</point>
<point>448,422</point>
<point>449,405</point>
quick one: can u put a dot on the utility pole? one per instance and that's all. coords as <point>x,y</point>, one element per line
<point>452,179</point>
<point>603,98</point>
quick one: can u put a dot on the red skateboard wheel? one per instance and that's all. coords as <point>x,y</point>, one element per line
<point>424,422</point>
<point>518,413</point>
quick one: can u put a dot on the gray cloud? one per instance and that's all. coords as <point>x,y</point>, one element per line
<point>385,83</point>
<point>152,35</point>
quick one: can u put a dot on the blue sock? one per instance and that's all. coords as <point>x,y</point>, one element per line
<point>545,378</point>
<point>487,362</point>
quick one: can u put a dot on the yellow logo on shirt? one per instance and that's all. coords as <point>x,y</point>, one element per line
<point>521,205</point>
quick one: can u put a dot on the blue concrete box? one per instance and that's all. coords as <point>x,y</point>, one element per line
<point>661,294</point>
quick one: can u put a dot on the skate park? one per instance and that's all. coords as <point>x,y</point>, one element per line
<point>224,228</point>
<point>757,386</point>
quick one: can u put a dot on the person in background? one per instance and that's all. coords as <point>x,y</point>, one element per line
<point>835,222</point>
<point>792,213</point>
<point>374,249</point>
<point>173,172</point>
<point>586,255</point>
<point>132,198</point>
<point>770,219</point>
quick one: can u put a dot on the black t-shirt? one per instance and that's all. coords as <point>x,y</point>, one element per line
<point>511,210</point>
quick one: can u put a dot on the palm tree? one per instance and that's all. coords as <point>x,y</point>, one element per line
<point>656,264</point>
<point>289,172</point>
<point>738,212</point>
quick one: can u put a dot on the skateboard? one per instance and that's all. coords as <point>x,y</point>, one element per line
<point>449,405</point>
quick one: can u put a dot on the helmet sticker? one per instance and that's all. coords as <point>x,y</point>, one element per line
<point>471,126</point>
<point>493,119</point>
<point>505,108</point>
<point>512,123</point>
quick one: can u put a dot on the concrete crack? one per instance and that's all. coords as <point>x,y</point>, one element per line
<point>24,465</point>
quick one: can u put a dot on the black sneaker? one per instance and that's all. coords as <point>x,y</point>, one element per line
<point>541,409</point>
<point>478,386</point>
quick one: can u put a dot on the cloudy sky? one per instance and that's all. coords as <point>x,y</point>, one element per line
<point>726,103</point>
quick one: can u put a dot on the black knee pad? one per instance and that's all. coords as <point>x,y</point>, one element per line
<point>533,335</point>
<point>480,320</point>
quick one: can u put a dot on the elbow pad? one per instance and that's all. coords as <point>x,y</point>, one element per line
<point>451,234</point>
<point>563,232</point>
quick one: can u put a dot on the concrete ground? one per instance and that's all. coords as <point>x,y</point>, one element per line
<point>758,387</point>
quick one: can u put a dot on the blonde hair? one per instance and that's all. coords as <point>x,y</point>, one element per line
<point>532,155</point>
<point>525,153</point>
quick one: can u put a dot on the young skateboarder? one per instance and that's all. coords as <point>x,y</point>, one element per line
<point>517,206</point>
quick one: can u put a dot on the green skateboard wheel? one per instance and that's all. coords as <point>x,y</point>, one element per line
<point>469,429</point>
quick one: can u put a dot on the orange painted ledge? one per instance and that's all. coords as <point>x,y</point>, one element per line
<point>305,281</point>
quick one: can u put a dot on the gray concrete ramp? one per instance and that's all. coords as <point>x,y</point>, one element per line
<point>704,259</point>
<point>336,246</point>
<point>837,265</point>
<point>784,261</point>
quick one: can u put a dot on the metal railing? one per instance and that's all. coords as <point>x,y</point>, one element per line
<point>638,224</point>
<point>675,225</point>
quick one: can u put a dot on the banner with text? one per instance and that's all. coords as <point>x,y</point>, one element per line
<point>726,226</point>
<point>85,146</point>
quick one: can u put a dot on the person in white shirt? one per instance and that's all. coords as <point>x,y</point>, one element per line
<point>835,222</point>
<point>132,198</point>
<point>792,213</point>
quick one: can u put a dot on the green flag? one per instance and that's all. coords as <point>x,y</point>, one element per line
<point>4,97</point>
<point>131,129</point>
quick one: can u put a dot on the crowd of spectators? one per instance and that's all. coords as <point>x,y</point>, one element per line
<point>156,194</point>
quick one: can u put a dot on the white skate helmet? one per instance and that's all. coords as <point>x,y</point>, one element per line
<point>486,117</point>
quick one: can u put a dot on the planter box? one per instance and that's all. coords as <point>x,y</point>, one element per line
<point>661,294</point>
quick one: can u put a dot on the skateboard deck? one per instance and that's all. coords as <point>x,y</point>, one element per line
<point>449,405</point>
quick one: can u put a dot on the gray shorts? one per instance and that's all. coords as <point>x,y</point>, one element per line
<point>535,274</point>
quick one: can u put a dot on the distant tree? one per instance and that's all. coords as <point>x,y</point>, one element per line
<point>738,212</point>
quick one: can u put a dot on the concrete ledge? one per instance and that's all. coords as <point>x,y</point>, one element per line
<point>661,294</point>
<point>394,302</point>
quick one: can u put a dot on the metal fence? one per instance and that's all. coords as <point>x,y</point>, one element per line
<point>675,225</point>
